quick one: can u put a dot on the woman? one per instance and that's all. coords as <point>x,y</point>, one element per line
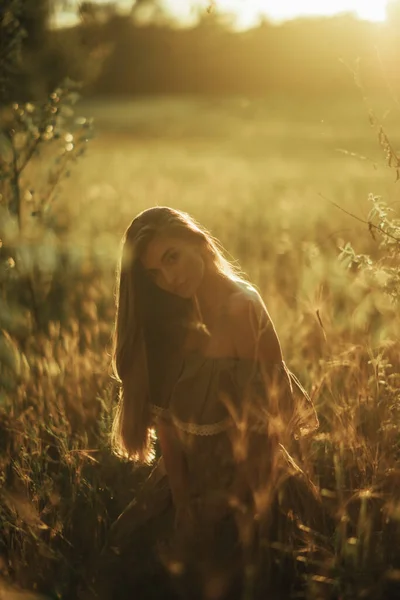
<point>200,365</point>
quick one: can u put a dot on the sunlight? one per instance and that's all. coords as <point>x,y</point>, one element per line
<point>247,12</point>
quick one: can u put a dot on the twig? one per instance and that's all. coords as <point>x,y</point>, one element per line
<point>393,161</point>
<point>29,155</point>
<point>356,155</point>
<point>55,180</point>
<point>321,324</point>
<point>15,179</point>
<point>369,223</point>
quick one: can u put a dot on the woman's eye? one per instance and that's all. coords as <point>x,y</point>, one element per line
<point>173,257</point>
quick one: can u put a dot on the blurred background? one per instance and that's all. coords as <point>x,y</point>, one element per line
<point>203,47</point>
<point>254,116</point>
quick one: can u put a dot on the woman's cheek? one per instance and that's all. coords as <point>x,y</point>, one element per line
<point>184,267</point>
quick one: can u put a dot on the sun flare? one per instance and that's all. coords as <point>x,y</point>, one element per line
<point>248,12</point>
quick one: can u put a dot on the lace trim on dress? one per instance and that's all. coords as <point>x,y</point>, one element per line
<point>158,411</point>
<point>193,428</point>
<point>209,429</point>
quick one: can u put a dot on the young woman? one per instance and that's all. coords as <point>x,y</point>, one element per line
<point>200,366</point>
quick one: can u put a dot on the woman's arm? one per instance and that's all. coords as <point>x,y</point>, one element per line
<point>255,338</point>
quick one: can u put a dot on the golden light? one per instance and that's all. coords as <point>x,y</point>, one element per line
<point>248,12</point>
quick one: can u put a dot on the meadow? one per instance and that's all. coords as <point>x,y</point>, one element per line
<point>267,177</point>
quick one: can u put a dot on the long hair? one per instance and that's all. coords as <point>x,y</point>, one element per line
<point>146,316</point>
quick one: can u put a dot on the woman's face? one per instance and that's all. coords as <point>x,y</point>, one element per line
<point>175,264</point>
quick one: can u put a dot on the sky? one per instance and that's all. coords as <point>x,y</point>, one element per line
<point>247,12</point>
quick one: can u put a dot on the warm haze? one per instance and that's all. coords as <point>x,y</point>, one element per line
<point>248,12</point>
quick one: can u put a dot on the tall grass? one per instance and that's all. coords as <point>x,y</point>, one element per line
<point>255,182</point>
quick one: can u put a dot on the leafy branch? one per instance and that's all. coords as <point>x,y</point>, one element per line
<point>26,132</point>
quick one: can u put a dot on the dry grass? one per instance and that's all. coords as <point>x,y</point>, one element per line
<point>252,175</point>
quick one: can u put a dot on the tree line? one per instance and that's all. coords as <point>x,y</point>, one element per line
<point>119,54</point>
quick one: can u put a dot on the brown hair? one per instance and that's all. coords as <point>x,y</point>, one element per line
<point>145,315</point>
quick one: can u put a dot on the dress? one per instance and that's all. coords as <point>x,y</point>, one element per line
<point>206,403</point>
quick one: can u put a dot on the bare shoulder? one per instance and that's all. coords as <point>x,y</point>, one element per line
<point>252,330</point>
<point>245,301</point>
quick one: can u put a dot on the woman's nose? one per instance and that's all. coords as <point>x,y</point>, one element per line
<point>169,276</point>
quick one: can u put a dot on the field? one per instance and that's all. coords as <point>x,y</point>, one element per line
<point>266,177</point>
<point>261,175</point>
